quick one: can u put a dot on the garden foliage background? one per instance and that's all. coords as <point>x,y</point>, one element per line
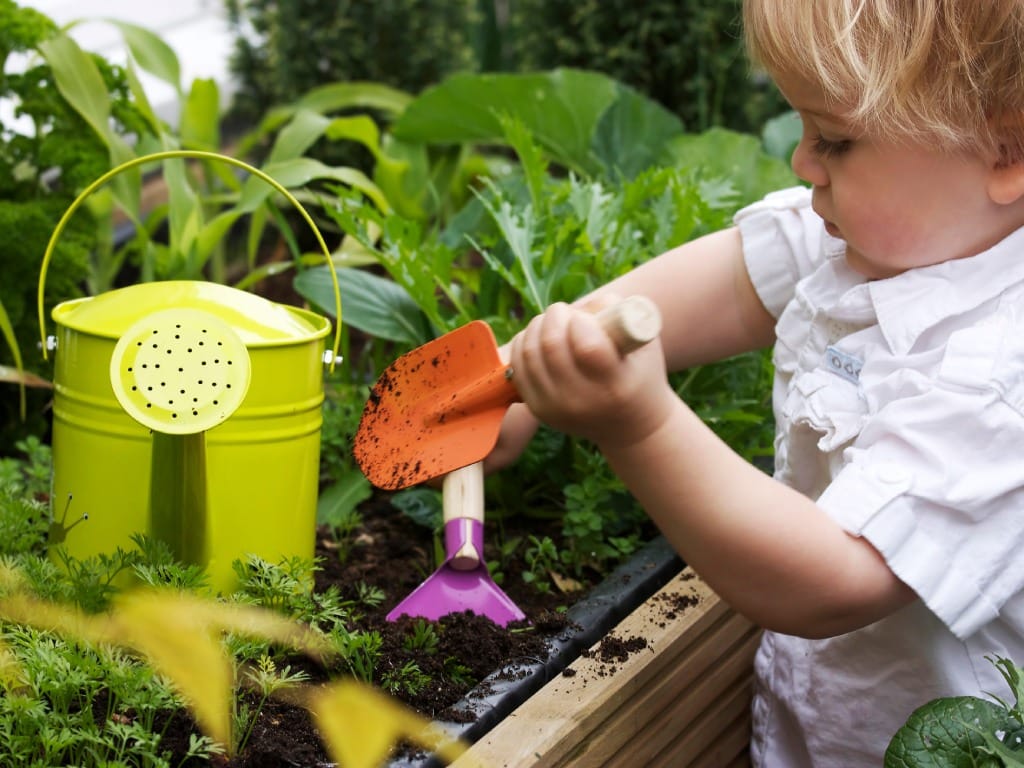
<point>463,160</point>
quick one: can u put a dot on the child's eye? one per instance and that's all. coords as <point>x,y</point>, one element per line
<point>823,147</point>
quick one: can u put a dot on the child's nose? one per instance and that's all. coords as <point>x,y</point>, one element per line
<point>807,165</point>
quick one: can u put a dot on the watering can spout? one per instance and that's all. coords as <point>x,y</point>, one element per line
<point>180,372</point>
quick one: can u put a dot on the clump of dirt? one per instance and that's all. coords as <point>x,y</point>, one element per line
<point>612,651</point>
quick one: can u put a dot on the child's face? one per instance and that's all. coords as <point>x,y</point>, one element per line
<point>898,205</point>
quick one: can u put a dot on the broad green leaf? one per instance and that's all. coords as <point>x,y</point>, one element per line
<point>781,134</point>
<point>633,134</point>
<point>337,502</point>
<point>562,110</point>
<point>373,304</point>
<point>584,120</point>
<point>950,733</point>
<point>736,157</point>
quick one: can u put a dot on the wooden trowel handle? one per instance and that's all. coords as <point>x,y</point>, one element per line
<point>462,496</point>
<point>631,323</point>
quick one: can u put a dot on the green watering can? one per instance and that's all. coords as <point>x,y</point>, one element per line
<point>189,411</point>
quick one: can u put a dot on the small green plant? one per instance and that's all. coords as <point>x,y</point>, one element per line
<point>964,730</point>
<point>265,679</point>
<point>541,557</point>
<point>408,678</point>
<point>458,672</point>
<point>423,636</point>
<point>360,651</point>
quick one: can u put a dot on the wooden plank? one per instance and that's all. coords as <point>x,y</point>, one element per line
<point>647,723</point>
<point>700,713</point>
<point>703,738</point>
<point>731,747</point>
<point>552,727</point>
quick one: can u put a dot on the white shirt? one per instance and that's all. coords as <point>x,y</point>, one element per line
<point>900,408</point>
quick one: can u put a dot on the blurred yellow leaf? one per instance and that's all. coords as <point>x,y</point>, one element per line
<point>179,640</point>
<point>360,725</point>
<point>180,634</point>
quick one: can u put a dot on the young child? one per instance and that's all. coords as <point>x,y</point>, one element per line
<point>885,557</point>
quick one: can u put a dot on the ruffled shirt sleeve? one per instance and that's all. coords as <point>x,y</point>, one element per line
<point>784,240</point>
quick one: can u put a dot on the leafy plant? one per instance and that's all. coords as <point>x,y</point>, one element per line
<point>100,685</point>
<point>535,235</point>
<point>964,730</point>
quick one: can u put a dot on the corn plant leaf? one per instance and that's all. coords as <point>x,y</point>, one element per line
<point>7,330</point>
<point>334,97</point>
<point>300,171</point>
<point>151,52</point>
<point>360,726</point>
<point>199,126</point>
<point>79,81</point>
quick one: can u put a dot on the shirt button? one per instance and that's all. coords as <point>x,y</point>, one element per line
<point>891,474</point>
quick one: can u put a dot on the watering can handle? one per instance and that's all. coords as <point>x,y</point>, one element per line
<point>196,155</point>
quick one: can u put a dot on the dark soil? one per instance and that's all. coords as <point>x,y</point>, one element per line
<point>393,555</point>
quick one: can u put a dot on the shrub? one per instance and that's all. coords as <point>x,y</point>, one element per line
<point>688,55</point>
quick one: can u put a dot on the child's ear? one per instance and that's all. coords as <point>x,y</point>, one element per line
<point>1006,181</point>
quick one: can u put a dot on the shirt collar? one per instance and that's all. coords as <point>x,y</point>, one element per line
<point>910,303</point>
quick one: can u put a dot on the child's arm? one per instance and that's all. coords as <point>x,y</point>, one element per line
<point>709,311</point>
<point>765,548</point>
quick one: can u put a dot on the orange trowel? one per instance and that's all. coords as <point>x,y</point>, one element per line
<point>440,406</point>
<point>437,411</point>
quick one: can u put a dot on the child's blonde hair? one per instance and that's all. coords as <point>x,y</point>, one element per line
<point>947,71</point>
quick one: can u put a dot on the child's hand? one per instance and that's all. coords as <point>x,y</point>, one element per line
<point>572,377</point>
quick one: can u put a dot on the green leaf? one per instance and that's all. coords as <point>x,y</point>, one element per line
<point>781,135</point>
<point>373,304</point>
<point>338,501</point>
<point>737,157</point>
<point>151,52</point>
<point>561,109</point>
<point>79,81</point>
<point>199,126</point>
<point>298,172</point>
<point>633,134</point>
<point>950,733</point>
<point>12,343</point>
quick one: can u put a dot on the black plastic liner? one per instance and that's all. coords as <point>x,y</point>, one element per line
<point>628,586</point>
